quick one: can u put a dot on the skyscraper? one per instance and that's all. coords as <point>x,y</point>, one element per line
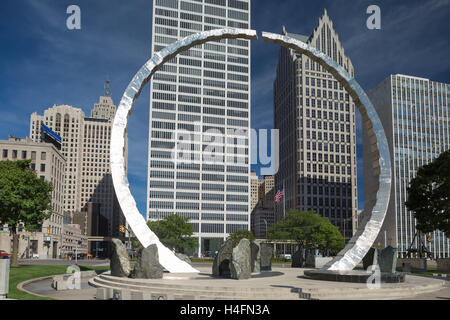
<point>415,113</point>
<point>85,145</point>
<point>316,119</point>
<point>204,92</point>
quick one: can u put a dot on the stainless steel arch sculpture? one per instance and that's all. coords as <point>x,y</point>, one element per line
<point>347,258</point>
<point>366,234</point>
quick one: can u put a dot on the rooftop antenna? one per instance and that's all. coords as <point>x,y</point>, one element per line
<point>107,90</point>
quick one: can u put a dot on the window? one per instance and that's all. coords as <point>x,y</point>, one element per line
<point>43,156</point>
<point>24,154</point>
<point>5,153</point>
<point>14,154</point>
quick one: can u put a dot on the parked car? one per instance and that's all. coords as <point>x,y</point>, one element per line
<point>4,255</point>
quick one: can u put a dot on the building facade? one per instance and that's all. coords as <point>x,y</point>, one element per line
<point>203,96</point>
<point>86,146</point>
<point>74,241</point>
<point>262,204</point>
<point>415,113</point>
<point>316,119</point>
<point>49,164</point>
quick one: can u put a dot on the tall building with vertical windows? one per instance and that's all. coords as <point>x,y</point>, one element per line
<point>85,145</point>
<point>415,113</point>
<point>205,93</point>
<point>316,119</point>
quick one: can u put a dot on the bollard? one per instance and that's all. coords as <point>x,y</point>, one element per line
<point>4,278</point>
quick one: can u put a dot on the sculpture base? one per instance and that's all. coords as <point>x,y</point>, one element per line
<point>354,276</point>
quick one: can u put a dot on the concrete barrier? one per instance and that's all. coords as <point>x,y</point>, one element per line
<point>417,264</point>
<point>443,265</point>
<point>104,294</point>
<point>316,262</point>
<point>4,278</point>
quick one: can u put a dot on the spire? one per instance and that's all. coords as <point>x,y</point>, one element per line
<point>325,12</point>
<point>107,90</point>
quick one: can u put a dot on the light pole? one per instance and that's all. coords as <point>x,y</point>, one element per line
<point>265,221</point>
<point>76,252</point>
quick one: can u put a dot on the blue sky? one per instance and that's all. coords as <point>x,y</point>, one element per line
<point>42,63</point>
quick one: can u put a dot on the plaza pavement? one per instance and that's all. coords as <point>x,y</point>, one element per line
<point>282,277</point>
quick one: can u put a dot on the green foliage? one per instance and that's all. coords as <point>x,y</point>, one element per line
<point>309,230</point>
<point>241,234</point>
<point>174,232</point>
<point>135,244</point>
<point>23,196</point>
<point>429,195</point>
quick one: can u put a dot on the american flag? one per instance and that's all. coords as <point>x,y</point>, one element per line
<point>279,196</point>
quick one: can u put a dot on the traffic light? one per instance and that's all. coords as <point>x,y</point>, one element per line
<point>122,229</point>
<point>429,238</point>
<point>48,230</point>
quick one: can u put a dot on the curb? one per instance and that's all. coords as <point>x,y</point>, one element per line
<point>21,285</point>
<point>439,276</point>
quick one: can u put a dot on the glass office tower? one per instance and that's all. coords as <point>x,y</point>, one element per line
<point>415,113</point>
<point>200,103</point>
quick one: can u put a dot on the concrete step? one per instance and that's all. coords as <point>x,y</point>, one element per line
<point>221,289</point>
<point>199,292</point>
<point>367,294</point>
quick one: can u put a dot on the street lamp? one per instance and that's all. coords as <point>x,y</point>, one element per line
<point>265,221</point>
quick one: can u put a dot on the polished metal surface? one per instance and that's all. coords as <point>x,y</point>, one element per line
<point>366,234</point>
<point>356,249</point>
<point>136,221</point>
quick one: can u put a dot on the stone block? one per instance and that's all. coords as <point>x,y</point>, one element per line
<point>370,259</point>
<point>148,266</point>
<point>222,261</point>
<point>266,253</point>
<point>387,259</point>
<point>120,262</point>
<point>240,262</point>
<point>255,248</point>
<point>297,259</point>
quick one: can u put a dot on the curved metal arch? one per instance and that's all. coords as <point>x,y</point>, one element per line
<point>360,243</point>
<point>366,234</point>
<point>136,221</point>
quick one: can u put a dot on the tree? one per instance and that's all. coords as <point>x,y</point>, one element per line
<point>174,232</point>
<point>309,230</point>
<point>429,195</point>
<point>24,198</point>
<point>241,234</point>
